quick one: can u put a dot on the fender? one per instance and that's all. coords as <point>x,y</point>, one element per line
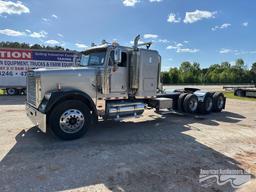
<point>191,90</point>
<point>53,98</point>
<point>201,95</point>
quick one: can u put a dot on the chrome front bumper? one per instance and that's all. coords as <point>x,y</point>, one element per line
<point>37,118</point>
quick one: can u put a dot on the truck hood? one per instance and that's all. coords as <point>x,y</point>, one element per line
<point>63,70</point>
<point>79,78</point>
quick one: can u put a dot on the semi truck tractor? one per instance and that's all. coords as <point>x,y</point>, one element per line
<point>112,83</point>
<point>14,64</point>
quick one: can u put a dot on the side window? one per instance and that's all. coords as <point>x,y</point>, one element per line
<point>111,58</point>
<point>124,60</point>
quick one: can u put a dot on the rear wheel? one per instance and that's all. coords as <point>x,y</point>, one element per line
<point>180,102</point>
<point>70,119</point>
<point>218,102</point>
<point>11,91</point>
<point>190,103</point>
<point>239,93</point>
<point>206,106</point>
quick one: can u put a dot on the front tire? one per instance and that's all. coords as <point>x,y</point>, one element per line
<point>70,119</point>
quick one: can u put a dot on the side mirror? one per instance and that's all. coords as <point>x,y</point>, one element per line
<point>118,56</point>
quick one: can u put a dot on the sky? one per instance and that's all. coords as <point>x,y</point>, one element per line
<point>204,31</point>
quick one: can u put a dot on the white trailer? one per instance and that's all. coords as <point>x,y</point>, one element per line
<point>14,64</point>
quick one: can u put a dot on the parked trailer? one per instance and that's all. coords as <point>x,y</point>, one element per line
<point>234,87</point>
<point>116,82</point>
<point>14,64</point>
<point>245,92</point>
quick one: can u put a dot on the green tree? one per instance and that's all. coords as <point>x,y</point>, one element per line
<point>253,69</point>
<point>8,44</point>
<point>253,73</point>
<point>189,73</point>
<point>165,78</point>
<point>212,74</point>
<point>174,75</point>
<point>225,65</point>
<point>240,64</point>
<point>36,46</point>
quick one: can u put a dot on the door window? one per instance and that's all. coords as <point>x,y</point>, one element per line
<point>112,59</point>
<point>124,60</point>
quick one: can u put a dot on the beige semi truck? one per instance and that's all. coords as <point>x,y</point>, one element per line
<point>112,82</point>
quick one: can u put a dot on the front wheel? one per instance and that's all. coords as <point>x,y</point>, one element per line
<point>70,119</point>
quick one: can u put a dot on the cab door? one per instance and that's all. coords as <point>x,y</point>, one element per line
<point>119,75</point>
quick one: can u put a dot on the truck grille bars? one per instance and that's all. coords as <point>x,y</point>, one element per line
<point>31,89</point>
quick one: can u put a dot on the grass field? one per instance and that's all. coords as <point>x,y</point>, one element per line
<point>231,95</point>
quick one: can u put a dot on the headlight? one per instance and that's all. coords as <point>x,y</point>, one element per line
<point>44,102</point>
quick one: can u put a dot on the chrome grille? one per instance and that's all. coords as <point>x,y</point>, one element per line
<point>31,89</point>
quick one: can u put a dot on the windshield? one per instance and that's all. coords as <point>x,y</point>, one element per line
<point>96,58</point>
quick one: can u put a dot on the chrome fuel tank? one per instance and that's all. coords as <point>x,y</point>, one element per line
<point>124,109</point>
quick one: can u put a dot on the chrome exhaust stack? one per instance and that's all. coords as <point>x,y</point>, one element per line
<point>137,45</point>
<point>136,42</point>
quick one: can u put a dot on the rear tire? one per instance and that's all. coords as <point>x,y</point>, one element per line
<point>239,93</point>
<point>70,119</point>
<point>180,102</point>
<point>206,106</point>
<point>190,103</point>
<point>218,102</point>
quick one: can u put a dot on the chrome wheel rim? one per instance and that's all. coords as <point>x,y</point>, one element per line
<point>11,91</point>
<point>71,121</point>
<point>193,104</point>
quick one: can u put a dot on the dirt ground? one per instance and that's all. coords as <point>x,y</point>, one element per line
<point>153,153</point>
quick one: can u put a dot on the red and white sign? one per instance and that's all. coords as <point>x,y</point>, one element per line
<point>16,54</point>
<point>16,62</point>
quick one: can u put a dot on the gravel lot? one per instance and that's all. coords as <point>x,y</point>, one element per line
<point>152,153</point>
